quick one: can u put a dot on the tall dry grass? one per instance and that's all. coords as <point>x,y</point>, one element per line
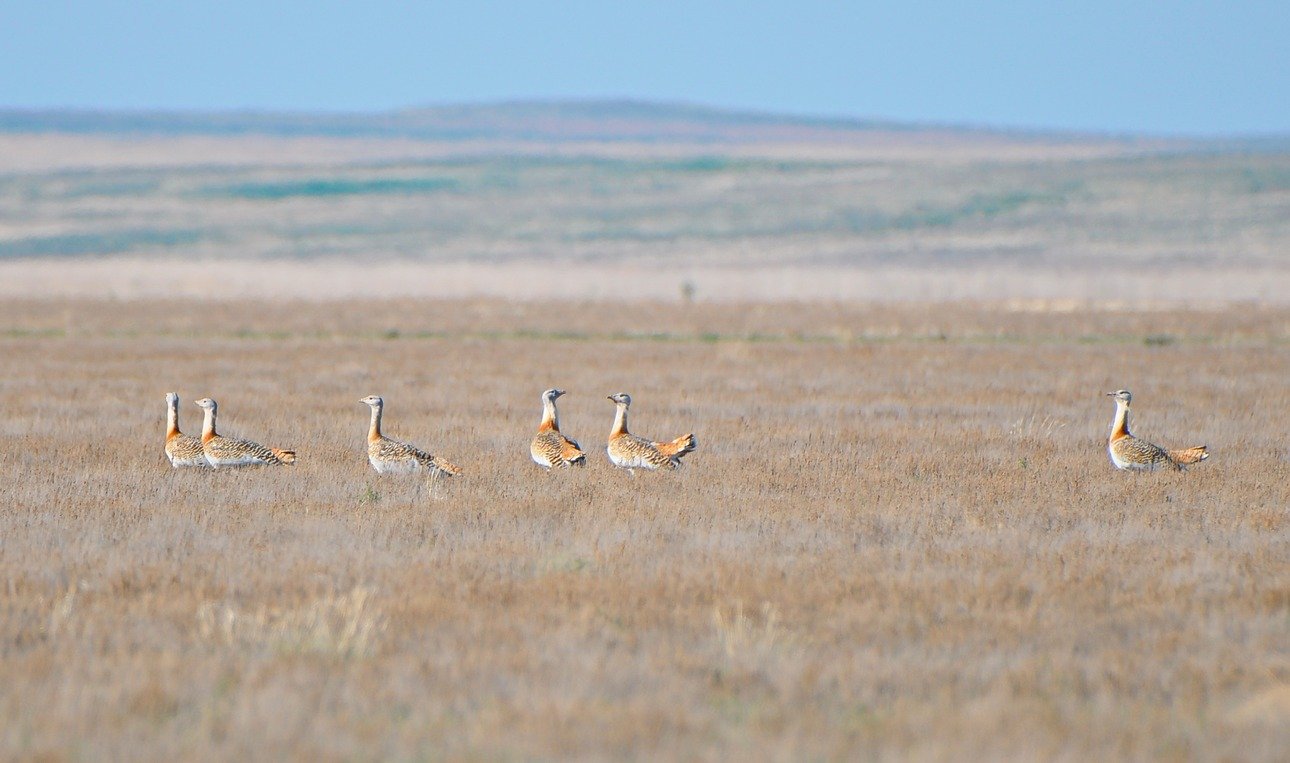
<point>900,537</point>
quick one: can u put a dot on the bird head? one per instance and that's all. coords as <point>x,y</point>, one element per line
<point>1121,396</point>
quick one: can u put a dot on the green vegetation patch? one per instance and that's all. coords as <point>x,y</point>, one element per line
<point>114,188</point>
<point>108,242</point>
<point>323,187</point>
<point>1271,179</point>
<point>979,206</point>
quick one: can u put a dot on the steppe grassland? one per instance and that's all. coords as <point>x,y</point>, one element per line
<point>716,210</point>
<point>900,535</point>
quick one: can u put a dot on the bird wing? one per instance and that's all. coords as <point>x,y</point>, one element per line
<point>641,452</point>
<point>185,448</point>
<point>232,448</point>
<point>1138,451</point>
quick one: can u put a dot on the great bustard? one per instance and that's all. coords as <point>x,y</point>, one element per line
<point>631,452</point>
<point>393,457</point>
<point>181,449</point>
<point>549,447</point>
<point>225,452</point>
<point>1128,452</point>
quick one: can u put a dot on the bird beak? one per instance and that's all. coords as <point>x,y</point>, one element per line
<point>1110,394</point>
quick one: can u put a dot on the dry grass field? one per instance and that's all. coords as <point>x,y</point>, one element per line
<point>900,537</point>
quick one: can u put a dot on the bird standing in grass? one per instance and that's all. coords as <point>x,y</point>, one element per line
<point>550,448</point>
<point>1130,453</point>
<point>225,452</point>
<point>393,457</point>
<point>181,449</point>
<point>630,452</point>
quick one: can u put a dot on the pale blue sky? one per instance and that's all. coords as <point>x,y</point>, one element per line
<point>1111,65</point>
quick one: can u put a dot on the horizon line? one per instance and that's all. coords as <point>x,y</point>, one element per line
<point>845,122</point>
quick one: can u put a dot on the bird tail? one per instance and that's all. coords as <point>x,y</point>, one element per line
<point>285,456</point>
<point>447,467</point>
<point>570,453</point>
<point>1190,455</point>
<point>678,447</point>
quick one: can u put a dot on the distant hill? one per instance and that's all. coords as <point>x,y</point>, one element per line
<point>526,120</point>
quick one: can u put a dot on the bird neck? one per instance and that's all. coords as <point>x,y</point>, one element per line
<point>208,425</point>
<point>1120,427</point>
<point>620,421</point>
<point>172,421</point>
<point>374,430</point>
<point>550,419</point>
